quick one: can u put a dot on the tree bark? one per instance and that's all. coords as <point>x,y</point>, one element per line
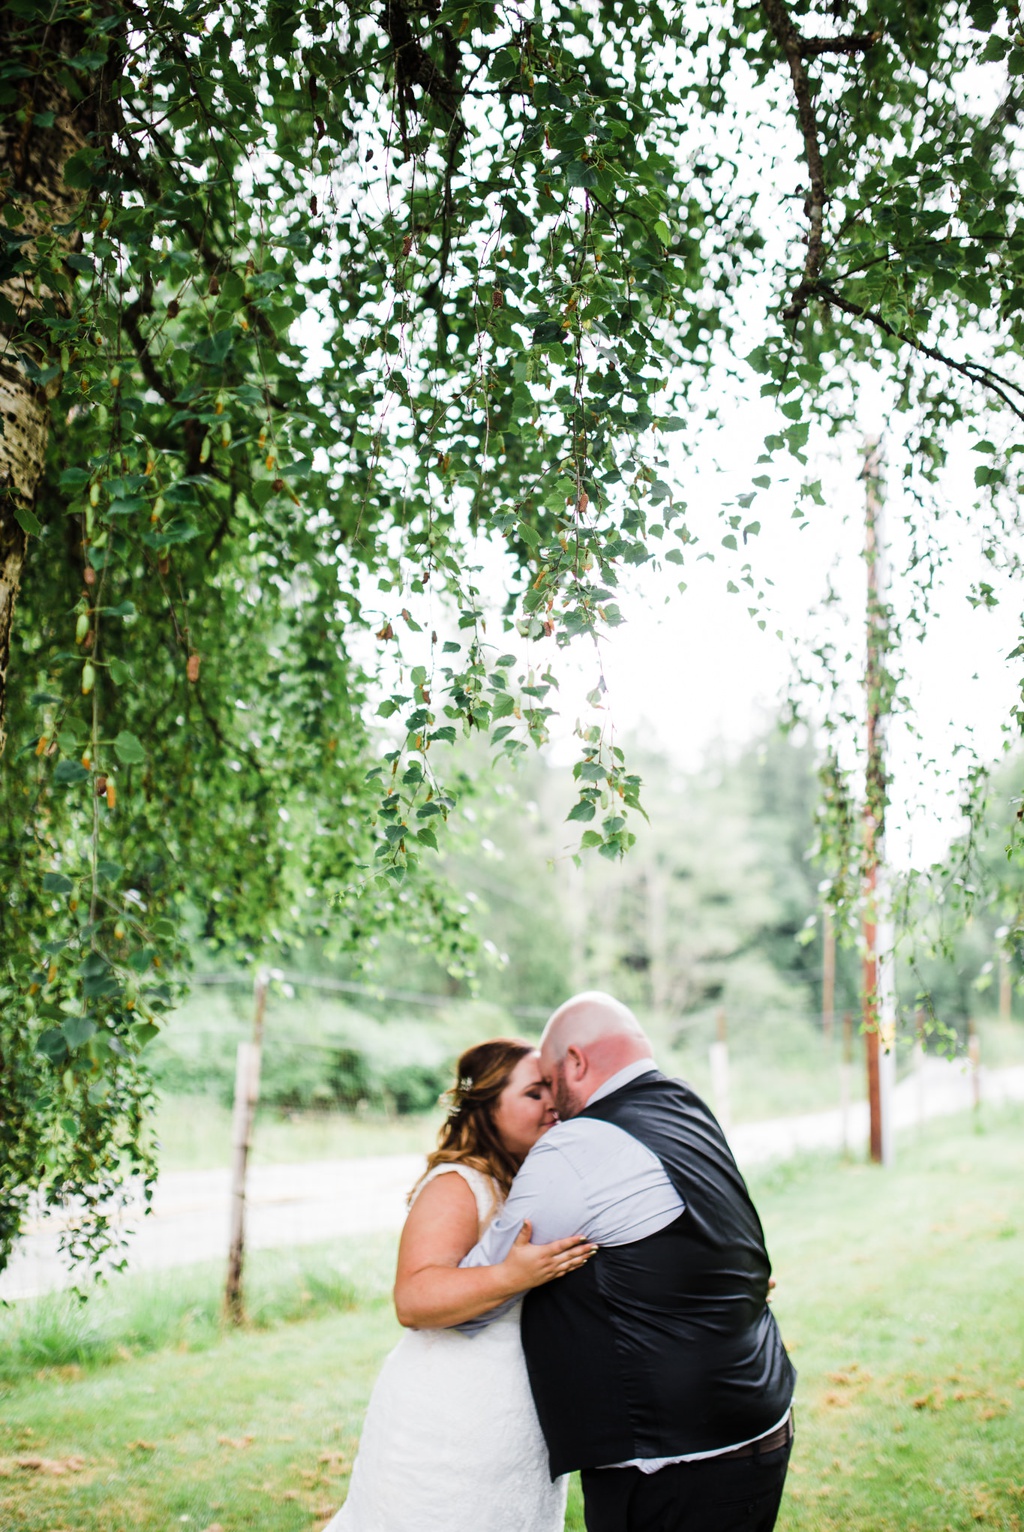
<point>34,197</point>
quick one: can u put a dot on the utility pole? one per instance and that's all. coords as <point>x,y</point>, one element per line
<point>878,969</point>
<point>247,1090</point>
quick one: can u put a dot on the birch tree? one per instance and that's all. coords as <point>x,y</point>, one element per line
<point>302,303</point>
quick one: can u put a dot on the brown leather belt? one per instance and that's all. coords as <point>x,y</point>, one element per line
<point>780,1438</point>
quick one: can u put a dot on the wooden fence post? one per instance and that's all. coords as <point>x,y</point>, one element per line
<point>247,1090</point>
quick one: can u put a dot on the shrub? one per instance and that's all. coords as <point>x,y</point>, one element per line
<point>415,1087</point>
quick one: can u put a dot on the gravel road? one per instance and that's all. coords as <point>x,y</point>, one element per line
<point>304,1204</point>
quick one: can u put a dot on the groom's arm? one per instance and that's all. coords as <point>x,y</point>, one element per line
<point>547,1191</point>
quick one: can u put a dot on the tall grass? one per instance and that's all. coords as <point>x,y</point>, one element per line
<point>133,1316</point>
<point>899,1294</point>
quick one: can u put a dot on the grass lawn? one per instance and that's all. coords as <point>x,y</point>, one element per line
<point>194,1133</point>
<point>900,1295</point>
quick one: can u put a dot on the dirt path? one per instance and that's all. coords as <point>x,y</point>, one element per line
<point>304,1204</point>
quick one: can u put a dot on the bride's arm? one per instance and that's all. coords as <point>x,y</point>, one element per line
<point>432,1292</point>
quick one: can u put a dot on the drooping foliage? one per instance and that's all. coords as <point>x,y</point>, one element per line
<point>305,305</point>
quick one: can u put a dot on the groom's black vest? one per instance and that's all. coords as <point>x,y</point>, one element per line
<point>664,1347</point>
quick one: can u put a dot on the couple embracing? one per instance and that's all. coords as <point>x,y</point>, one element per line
<point>584,1281</point>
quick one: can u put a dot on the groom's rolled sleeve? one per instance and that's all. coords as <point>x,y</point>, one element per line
<point>549,1193</point>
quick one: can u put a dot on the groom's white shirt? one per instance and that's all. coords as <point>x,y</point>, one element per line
<point>588,1177</point>
<point>585,1177</point>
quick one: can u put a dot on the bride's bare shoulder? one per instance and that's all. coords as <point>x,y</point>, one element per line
<point>443,1221</point>
<point>460,1178</point>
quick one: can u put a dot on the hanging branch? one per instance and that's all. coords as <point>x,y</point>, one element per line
<point>813,47</point>
<point>792,45</point>
<point>143,305</point>
<point>414,66</point>
<point>796,48</point>
<point>975,372</point>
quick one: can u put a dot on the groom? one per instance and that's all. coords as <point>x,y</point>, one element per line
<point>657,1368</point>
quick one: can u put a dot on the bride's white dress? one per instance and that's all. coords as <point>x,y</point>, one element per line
<point>451,1441</point>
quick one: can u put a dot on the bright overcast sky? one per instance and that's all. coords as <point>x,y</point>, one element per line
<point>693,669</point>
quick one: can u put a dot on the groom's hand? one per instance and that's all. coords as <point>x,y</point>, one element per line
<point>528,1265</point>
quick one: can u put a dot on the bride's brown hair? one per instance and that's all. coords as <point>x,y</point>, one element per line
<point>468,1134</point>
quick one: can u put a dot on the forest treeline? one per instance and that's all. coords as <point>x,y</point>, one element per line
<point>718,908</point>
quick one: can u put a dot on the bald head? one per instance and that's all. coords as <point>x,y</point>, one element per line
<point>587,1040</point>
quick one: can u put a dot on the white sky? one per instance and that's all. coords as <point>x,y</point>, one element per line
<point>692,669</point>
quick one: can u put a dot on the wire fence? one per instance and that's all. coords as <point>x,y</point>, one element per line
<point>280,1134</point>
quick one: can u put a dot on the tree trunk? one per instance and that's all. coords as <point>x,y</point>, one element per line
<point>32,157</point>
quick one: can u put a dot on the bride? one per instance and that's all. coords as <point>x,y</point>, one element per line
<point>451,1437</point>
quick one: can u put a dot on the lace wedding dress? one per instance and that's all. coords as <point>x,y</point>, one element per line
<point>451,1441</point>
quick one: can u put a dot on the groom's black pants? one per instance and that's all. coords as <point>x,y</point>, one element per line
<point>732,1494</point>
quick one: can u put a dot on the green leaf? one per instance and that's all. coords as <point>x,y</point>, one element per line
<point>51,1045</point>
<point>57,883</point>
<point>128,749</point>
<point>77,1030</point>
<point>582,811</point>
<point>69,773</point>
<point>27,520</point>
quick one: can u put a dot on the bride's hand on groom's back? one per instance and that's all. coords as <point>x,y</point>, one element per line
<point>529,1265</point>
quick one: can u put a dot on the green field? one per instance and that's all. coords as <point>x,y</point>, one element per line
<point>899,1294</point>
